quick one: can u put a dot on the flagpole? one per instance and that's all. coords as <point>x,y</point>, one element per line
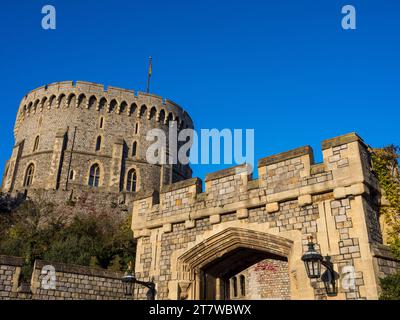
<point>149,74</point>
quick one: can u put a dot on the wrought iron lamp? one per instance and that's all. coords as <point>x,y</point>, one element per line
<point>130,281</point>
<point>313,260</point>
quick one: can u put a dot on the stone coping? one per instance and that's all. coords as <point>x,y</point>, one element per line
<point>337,141</point>
<point>226,172</point>
<point>11,261</point>
<point>81,270</point>
<point>183,184</point>
<point>383,251</point>
<point>287,155</point>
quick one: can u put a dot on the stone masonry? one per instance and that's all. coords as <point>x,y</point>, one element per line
<point>71,282</point>
<point>57,129</point>
<point>191,242</point>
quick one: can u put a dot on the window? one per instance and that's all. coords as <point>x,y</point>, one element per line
<point>36,144</point>
<point>101,122</point>
<point>94,176</point>
<point>71,175</point>
<point>134,149</point>
<point>98,143</point>
<point>234,285</point>
<point>136,128</point>
<point>29,175</point>
<point>131,181</point>
<point>242,285</point>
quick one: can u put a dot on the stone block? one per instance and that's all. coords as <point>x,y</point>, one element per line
<point>215,218</point>
<point>272,207</point>
<point>339,193</point>
<point>189,224</point>
<point>304,200</point>
<point>167,228</point>
<point>242,213</point>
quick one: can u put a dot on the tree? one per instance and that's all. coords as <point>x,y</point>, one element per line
<point>41,230</point>
<point>390,287</point>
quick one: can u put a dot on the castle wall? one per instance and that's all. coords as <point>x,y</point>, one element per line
<point>185,230</point>
<point>71,282</point>
<point>67,118</point>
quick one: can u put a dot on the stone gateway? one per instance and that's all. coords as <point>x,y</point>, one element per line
<point>243,238</point>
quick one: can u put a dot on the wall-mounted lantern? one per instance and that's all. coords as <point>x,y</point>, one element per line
<point>129,281</point>
<point>313,260</point>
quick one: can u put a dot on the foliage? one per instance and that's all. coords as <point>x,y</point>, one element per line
<point>385,166</point>
<point>390,286</point>
<point>39,230</point>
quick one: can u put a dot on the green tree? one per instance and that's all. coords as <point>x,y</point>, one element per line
<point>390,287</point>
<point>40,230</point>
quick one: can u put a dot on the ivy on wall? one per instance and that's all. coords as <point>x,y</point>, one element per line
<point>386,167</point>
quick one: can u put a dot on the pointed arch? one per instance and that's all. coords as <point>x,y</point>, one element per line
<point>29,175</point>
<point>161,116</point>
<point>102,104</point>
<point>143,111</point>
<point>52,101</point>
<point>35,105</point>
<point>43,103</point>
<point>92,102</point>
<point>229,240</point>
<point>81,101</point>
<point>98,143</point>
<point>61,100</point>
<point>71,102</point>
<point>122,107</point>
<point>132,109</point>
<point>113,105</point>
<point>36,144</point>
<point>94,175</point>
<point>29,107</point>
<point>153,113</point>
<point>131,181</point>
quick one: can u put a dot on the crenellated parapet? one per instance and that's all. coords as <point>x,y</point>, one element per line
<point>292,175</point>
<point>97,97</point>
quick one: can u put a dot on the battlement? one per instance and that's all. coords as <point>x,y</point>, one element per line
<point>86,95</point>
<point>290,175</point>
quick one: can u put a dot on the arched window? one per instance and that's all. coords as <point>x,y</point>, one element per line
<point>131,181</point>
<point>94,175</point>
<point>71,175</point>
<point>134,149</point>
<point>30,171</point>
<point>234,285</point>
<point>242,285</point>
<point>36,144</point>
<point>98,143</point>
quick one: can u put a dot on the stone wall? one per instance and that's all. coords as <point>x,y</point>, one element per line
<point>57,127</point>
<point>268,279</point>
<point>184,230</point>
<point>71,282</point>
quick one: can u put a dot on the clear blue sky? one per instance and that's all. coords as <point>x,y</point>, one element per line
<point>285,68</point>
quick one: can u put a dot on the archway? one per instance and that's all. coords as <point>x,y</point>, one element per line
<point>206,268</point>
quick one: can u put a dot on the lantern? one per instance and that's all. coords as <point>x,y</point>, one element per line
<point>312,261</point>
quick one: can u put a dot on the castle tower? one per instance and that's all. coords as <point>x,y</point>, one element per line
<point>82,136</point>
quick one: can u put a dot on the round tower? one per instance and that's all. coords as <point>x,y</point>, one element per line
<point>83,136</point>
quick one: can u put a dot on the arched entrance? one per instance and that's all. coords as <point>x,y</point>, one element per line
<point>207,267</point>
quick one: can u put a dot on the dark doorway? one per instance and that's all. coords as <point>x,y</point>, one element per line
<point>216,275</point>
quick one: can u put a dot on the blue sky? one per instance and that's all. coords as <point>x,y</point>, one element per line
<point>285,68</point>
